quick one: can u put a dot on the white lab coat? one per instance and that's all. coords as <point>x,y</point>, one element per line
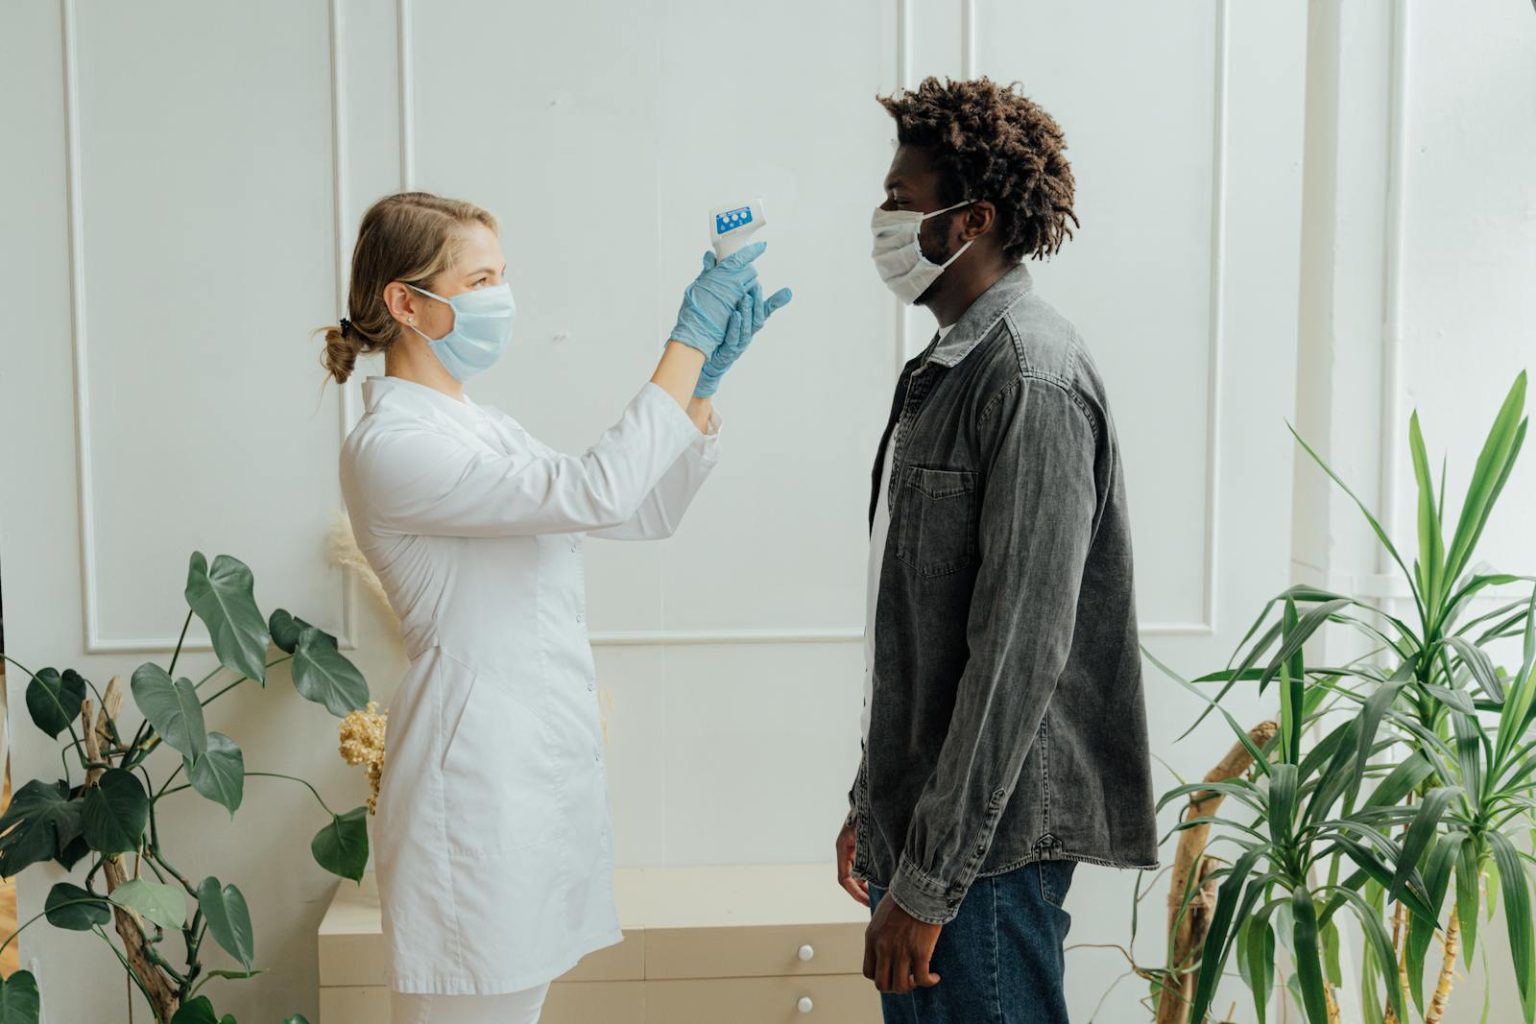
<point>492,843</point>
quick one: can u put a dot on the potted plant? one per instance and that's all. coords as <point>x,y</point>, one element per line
<point>109,817</point>
<point>1390,790</point>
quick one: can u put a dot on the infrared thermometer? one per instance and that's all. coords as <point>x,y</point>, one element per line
<point>732,227</point>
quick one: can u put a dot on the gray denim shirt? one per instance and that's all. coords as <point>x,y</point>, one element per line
<point>1007,723</point>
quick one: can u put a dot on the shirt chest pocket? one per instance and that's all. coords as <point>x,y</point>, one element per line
<point>936,520</point>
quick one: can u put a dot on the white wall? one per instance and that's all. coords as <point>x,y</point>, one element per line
<point>187,181</point>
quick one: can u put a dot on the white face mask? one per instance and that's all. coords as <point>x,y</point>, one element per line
<point>898,256</point>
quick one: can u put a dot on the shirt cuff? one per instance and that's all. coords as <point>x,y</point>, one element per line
<point>922,896</point>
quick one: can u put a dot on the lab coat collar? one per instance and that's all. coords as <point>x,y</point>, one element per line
<point>409,396</point>
<point>396,395</point>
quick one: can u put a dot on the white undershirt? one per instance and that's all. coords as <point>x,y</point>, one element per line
<point>878,532</point>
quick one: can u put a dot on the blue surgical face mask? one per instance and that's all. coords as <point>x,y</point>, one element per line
<point>481,331</point>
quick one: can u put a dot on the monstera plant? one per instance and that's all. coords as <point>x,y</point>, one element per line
<point>1396,790</point>
<point>108,818</point>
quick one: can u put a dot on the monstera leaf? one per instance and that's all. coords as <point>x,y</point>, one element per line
<point>19,1003</point>
<point>173,708</point>
<point>40,823</point>
<point>69,906</point>
<point>229,919</point>
<point>323,674</point>
<point>199,1011</point>
<point>342,846</point>
<point>165,905</point>
<point>220,773</point>
<point>223,596</point>
<point>72,853</point>
<point>115,812</point>
<point>54,700</point>
<point>286,628</point>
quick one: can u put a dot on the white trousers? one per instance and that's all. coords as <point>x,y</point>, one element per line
<point>521,1007</point>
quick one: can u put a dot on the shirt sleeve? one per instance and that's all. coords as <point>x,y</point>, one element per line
<point>416,480</point>
<point>662,510</point>
<point>853,792</point>
<point>1036,520</point>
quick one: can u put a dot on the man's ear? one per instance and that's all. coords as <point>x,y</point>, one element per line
<point>980,217</point>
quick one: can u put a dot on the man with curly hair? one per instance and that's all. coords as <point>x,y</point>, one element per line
<point>1005,734</point>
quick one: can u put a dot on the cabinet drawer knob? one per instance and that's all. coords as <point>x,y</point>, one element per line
<point>806,952</point>
<point>805,1005</point>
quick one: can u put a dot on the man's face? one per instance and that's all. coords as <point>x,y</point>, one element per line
<point>913,184</point>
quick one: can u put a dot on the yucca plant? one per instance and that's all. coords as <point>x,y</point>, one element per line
<point>1423,775</point>
<point>112,814</point>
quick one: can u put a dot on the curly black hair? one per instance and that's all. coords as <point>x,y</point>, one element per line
<point>989,141</point>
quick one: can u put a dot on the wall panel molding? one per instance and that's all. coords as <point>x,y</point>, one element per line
<point>406,69</point>
<point>905,77</point>
<point>1390,432</point>
<point>93,641</point>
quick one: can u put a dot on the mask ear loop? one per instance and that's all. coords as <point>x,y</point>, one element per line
<point>967,245</point>
<point>439,298</point>
<point>958,252</point>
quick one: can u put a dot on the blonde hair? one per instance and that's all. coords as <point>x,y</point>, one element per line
<point>410,237</point>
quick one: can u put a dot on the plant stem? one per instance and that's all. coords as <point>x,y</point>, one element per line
<point>34,917</point>
<point>167,781</point>
<point>177,652</point>
<point>126,965</point>
<point>226,689</point>
<point>13,661</point>
<point>155,958</point>
<point>279,775</point>
<point>1442,994</point>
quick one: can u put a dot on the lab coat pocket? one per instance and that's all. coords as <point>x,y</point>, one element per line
<point>499,781</point>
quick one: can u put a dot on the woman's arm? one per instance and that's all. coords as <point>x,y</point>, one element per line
<point>414,478</point>
<point>678,374</point>
<point>700,410</point>
<point>659,516</point>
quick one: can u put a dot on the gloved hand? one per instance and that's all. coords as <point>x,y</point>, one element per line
<point>709,300</point>
<point>746,320</point>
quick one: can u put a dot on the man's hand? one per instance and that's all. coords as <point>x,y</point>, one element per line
<point>857,887</point>
<point>897,949</point>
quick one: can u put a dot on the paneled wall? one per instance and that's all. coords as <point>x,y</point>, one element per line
<point>181,193</point>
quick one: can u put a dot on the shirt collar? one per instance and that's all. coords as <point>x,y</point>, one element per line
<point>981,316</point>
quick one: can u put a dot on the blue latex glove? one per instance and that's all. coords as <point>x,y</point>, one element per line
<point>709,300</point>
<point>747,319</point>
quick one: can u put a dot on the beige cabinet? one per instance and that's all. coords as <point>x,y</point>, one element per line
<point>771,944</point>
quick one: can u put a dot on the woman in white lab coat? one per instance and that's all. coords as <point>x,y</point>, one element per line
<point>492,843</point>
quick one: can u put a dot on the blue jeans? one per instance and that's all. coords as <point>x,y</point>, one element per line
<point>1000,961</point>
